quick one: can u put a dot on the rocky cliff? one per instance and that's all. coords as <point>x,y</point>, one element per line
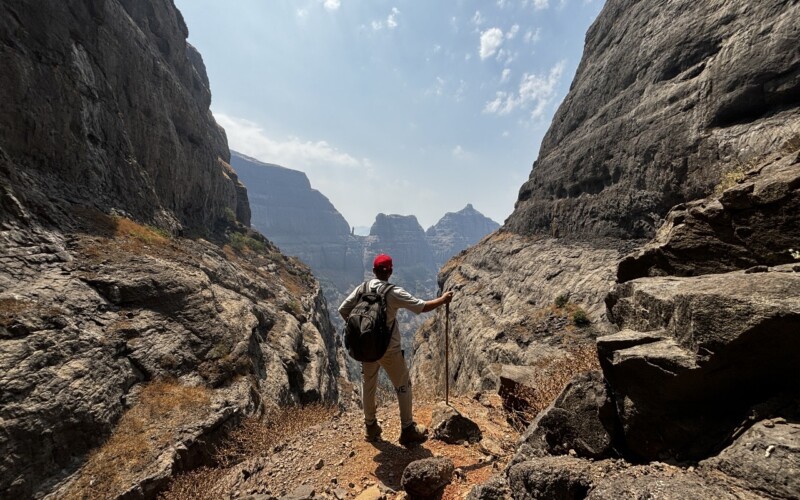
<point>667,98</point>
<point>126,347</point>
<point>712,93</point>
<point>456,231</point>
<point>685,117</point>
<point>301,221</point>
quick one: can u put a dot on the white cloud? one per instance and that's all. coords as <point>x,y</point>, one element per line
<point>491,40</point>
<point>505,76</point>
<point>535,93</point>
<point>501,3</point>
<point>391,21</point>
<point>512,32</point>
<point>292,152</point>
<point>460,153</point>
<point>332,4</point>
<point>301,13</point>
<point>532,36</point>
<point>541,4</point>
<point>478,19</point>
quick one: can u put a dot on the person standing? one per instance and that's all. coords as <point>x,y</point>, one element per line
<point>392,361</point>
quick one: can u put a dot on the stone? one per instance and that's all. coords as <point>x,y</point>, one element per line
<point>320,464</point>
<point>371,493</point>
<point>450,426</point>
<point>580,422</point>
<point>714,346</point>
<point>496,488</point>
<point>545,479</point>
<point>766,457</point>
<point>427,477</point>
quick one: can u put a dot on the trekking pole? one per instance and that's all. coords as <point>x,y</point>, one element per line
<point>447,354</point>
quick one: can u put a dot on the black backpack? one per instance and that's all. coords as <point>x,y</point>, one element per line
<point>366,332</point>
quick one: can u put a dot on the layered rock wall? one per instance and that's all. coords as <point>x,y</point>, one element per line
<point>668,97</point>
<point>104,103</point>
<point>108,153</point>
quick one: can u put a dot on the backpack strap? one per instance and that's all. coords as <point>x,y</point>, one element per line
<point>384,289</point>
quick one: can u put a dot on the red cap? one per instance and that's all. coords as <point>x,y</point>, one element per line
<point>382,261</point>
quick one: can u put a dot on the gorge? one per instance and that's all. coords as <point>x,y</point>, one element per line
<point>143,320</point>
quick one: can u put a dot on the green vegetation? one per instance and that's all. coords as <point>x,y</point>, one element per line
<point>229,215</point>
<point>562,300</point>
<point>241,241</point>
<point>579,318</point>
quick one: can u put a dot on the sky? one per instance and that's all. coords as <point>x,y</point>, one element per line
<point>411,107</point>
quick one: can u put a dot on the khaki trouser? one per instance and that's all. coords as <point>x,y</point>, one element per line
<point>396,369</point>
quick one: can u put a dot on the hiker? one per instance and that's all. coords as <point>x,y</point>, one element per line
<point>392,361</point>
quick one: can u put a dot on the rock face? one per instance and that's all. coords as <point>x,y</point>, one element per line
<point>714,346</point>
<point>671,102</point>
<point>78,117</point>
<point>108,153</point>
<point>301,221</point>
<point>450,426</point>
<point>503,309</point>
<point>456,231</point>
<point>755,222</point>
<point>715,85</point>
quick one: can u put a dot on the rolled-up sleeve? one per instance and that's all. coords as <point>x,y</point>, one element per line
<point>348,304</point>
<point>401,299</point>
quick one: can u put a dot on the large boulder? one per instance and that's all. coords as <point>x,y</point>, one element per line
<point>713,347</point>
<point>582,419</point>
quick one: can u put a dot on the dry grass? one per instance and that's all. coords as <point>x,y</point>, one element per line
<point>731,178</point>
<point>11,308</point>
<point>257,437</point>
<point>525,403</point>
<point>254,438</point>
<point>140,436</point>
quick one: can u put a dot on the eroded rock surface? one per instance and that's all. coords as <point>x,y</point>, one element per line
<point>667,98</point>
<point>753,223</point>
<point>456,231</point>
<point>116,202</point>
<point>503,311</point>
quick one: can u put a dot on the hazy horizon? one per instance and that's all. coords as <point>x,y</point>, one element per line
<point>400,107</point>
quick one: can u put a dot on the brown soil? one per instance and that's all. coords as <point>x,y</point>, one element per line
<point>334,459</point>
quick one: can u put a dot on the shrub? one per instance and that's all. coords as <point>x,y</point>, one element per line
<point>241,242</point>
<point>229,215</point>
<point>579,318</point>
<point>562,300</point>
<point>730,178</point>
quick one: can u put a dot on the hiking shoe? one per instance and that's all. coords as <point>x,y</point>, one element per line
<point>414,433</point>
<point>373,432</point>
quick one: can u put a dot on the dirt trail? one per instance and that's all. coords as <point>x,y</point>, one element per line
<point>334,460</point>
